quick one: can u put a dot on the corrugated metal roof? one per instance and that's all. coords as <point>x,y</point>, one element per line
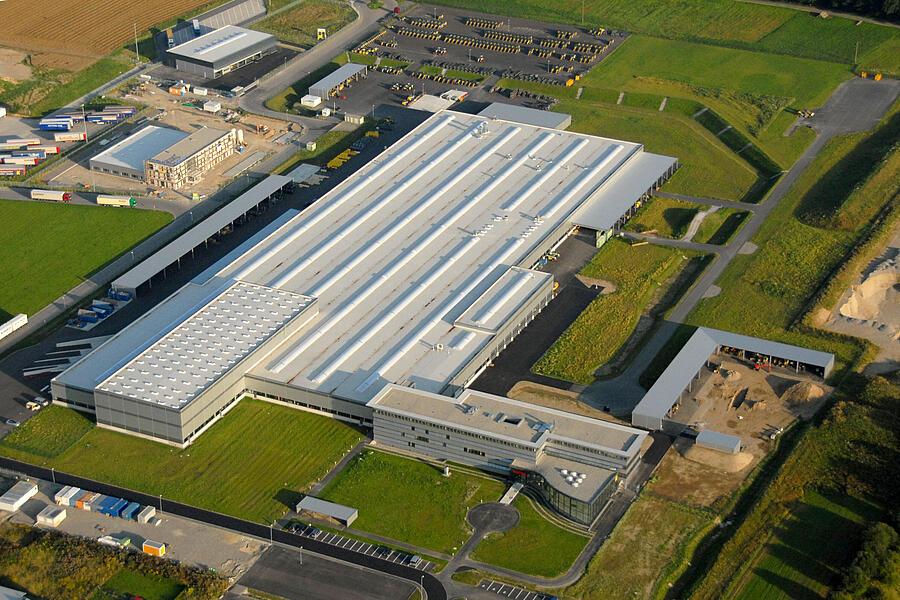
<point>220,44</point>
<point>617,195</point>
<point>664,393</point>
<point>303,172</point>
<point>717,439</point>
<point>324,507</point>
<point>202,231</point>
<point>322,87</point>
<point>528,116</point>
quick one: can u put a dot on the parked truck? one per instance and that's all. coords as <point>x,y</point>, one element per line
<point>170,38</point>
<point>70,137</point>
<point>23,141</point>
<point>105,200</point>
<point>11,170</point>
<point>54,195</point>
<point>87,316</point>
<point>196,25</point>
<point>47,149</point>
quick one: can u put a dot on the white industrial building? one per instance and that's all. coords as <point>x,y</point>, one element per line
<point>16,496</point>
<point>417,270</point>
<point>221,51</point>
<point>127,158</point>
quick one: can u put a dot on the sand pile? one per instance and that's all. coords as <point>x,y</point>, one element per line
<point>877,299</point>
<point>731,463</point>
<point>802,393</point>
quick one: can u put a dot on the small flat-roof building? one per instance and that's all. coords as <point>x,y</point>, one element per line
<point>529,116</point>
<point>16,496</point>
<point>186,161</point>
<point>722,442</point>
<point>128,157</point>
<point>323,509</point>
<point>661,402</point>
<point>328,85</point>
<point>221,51</point>
<point>51,516</point>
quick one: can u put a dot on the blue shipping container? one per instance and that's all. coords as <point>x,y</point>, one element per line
<point>116,509</point>
<point>55,126</point>
<point>130,512</point>
<point>105,504</point>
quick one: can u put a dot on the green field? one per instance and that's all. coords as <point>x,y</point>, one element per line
<point>799,561</point>
<point>720,226</point>
<point>50,433</point>
<point>252,464</point>
<point>284,101</point>
<point>599,333</point>
<point>128,583</point>
<point>419,506</point>
<point>717,22</point>
<point>652,539</point>
<point>298,25</point>
<point>668,218</point>
<point>535,546</point>
<point>73,242</point>
<point>764,293</point>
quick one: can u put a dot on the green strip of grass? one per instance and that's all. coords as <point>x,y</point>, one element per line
<point>419,506</point>
<point>51,434</point>
<point>535,546</point>
<point>720,226</point>
<point>252,464</point>
<point>47,249</point>
<point>129,583</point>
<point>284,101</point>
<point>600,332</point>
<point>669,218</point>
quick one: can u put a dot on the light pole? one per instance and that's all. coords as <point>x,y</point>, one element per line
<point>53,474</point>
<point>301,556</point>
<point>84,122</point>
<point>160,504</point>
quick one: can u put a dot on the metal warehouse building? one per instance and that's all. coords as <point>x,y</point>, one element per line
<point>184,162</point>
<point>417,270</point>
<point>660,404</point>
<point>128,157</point>
<point>345,74</point>
<point>221,51</point>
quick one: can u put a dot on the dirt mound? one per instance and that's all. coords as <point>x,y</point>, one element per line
<point>801,393</point>
<point>877,298</point>
<point>730,463</point>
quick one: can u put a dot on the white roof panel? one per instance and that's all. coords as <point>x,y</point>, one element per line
<point>220,44</point>
<point>143,145</point>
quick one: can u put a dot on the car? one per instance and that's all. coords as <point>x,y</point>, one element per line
<point>12,423</point>
<point>32,405</point>
<point>381,551</point>
<point>414,560</point>
<point>314,533</point>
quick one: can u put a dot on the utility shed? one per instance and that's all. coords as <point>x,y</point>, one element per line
<point>715,440</point>
<point>17,495</point>
<point>325,86</point>
<point>528,116</point>
<point>345,515</point>
<point>51,516</point>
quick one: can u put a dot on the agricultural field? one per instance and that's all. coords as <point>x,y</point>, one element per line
<point>535,546</point>
<point>641,274</point>
<point>298,25</point>
<point>284,449</point>
<point>652,541</point>
<point>717,22</point>
<point>420,506</point>
<point>54,566</point>
<point>34,269</point>
<point>668,218</point>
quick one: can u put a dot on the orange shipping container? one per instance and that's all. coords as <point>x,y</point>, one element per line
<point>154,548</point>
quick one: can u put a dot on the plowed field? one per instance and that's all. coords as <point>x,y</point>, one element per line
<point>87,29</point>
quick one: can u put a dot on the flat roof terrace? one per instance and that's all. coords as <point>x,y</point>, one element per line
<point>143,145</point>
<point>185,148</point>
<point>397,252</point>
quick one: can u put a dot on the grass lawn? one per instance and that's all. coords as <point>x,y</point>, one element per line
<point>809,82</point>
<point>720,226</point>
<point>669,218</point>
<point>417,506</point>
<point>252,464</point>
<point>799,561</point>
<point>285,100</point>
<point>328,146</point>
<point>298,25</point>
<point>652,539</point>
<point>73,242</point>
<point>599,332</point>
<point>535,546</point>
<point>50,433</point>
<point>719,22</point>
<point>129,583</point>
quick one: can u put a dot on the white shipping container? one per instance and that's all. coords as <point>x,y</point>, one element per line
<point>212,106</point>
<point>51,516</point>
<point>69,137</point>
<point>2,112</point>
<point>147,513</point>
<point>201,91</point>
<point>17,321</point>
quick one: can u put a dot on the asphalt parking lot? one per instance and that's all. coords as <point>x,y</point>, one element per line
<point>382,552</point>
<point>298,575</point>
<point>512,592</point>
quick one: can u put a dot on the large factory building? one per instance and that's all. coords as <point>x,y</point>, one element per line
<point>416,271</point>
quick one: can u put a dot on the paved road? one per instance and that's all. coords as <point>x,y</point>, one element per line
<point>708,201</point>
<point>432,586</point>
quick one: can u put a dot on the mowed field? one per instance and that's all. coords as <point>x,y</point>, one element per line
<point>88,29</point>
<point>47,249</point>
<point>298,25</point>
<point>252,464</point>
